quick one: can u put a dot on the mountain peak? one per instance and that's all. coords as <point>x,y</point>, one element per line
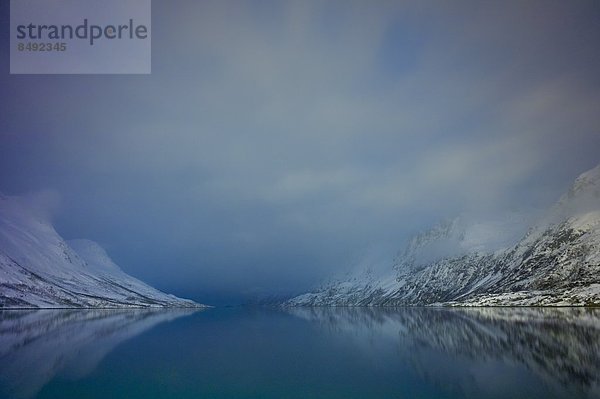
<point>587,181</point>
<point>583,196</point>
<point>39,269</point>
<point>484,263</point>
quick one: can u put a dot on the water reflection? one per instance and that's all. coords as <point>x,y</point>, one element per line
<point>561,345</point>
<point>38,345</point>
<point>330,353</point>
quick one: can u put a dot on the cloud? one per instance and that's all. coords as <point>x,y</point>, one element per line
<point>44,204</point>
<point>275,141</point>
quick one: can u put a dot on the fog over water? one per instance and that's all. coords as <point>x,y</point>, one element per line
<point>278,142</point>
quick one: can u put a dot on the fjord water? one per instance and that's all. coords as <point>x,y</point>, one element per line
<point>301,353</point>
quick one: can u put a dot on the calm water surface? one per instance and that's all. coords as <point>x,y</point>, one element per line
<point>301,353</point>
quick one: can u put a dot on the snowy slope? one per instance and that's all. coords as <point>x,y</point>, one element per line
<point>40,269</point>
<point>556,263</point>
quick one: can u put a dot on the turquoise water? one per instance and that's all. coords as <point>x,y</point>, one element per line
<point>301,353</point>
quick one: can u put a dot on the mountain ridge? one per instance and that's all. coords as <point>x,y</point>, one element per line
<point>39,269</point>
<point>556,263</point>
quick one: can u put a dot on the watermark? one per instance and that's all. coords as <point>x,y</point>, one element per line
<point>80,36</point>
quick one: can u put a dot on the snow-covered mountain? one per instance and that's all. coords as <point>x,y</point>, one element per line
<point>556,263</point>
<point>40,269</point>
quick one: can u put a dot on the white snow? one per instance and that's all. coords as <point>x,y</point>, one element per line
<point>480,263</point>
<point>40,269</point>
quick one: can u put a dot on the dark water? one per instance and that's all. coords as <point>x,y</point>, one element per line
<point>301,353</point>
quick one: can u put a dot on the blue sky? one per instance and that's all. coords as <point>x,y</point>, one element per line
<point>278,142</point>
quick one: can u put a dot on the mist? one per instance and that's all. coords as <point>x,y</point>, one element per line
<point>279,142</point>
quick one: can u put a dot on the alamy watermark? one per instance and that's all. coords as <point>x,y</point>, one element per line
<point>80,36</point>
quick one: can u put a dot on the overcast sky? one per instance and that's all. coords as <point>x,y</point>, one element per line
<point>277,142</point>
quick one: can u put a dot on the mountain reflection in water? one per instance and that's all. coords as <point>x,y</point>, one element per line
<point>329,353</point>
<point>38,345</point>
<point>562,345</point>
